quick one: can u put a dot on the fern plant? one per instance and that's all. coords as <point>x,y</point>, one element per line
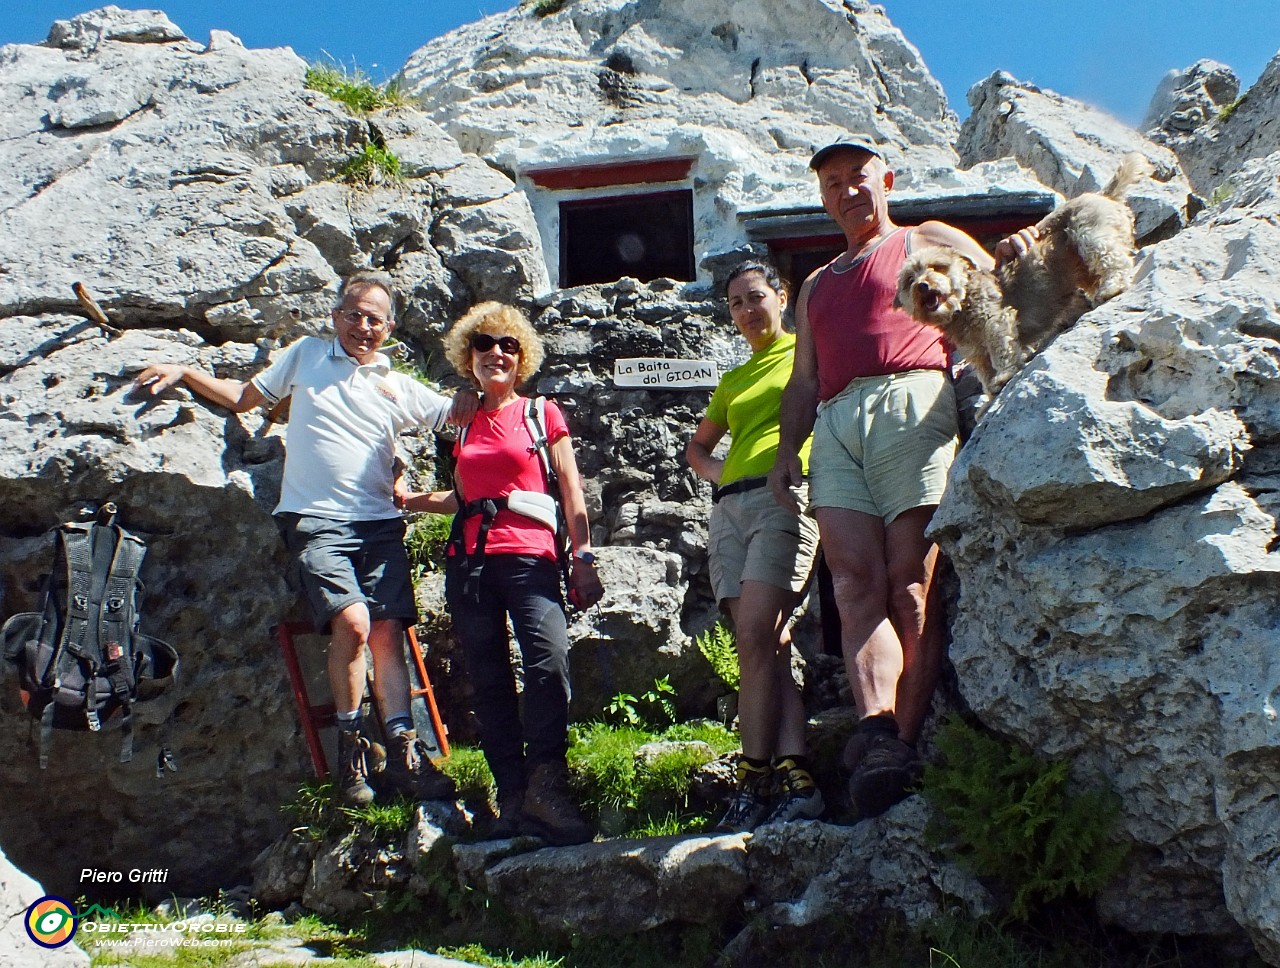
<point>1012,817</point>
<point>719,648</point>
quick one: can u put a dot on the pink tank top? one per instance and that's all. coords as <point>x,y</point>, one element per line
<point>856,330</point>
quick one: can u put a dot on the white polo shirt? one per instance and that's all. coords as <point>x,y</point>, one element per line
<point>343,423</point>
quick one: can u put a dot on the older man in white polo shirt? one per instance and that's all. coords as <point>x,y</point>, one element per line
<point>338,515</point>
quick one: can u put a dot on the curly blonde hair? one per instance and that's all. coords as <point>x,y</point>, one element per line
<point>496,319</point>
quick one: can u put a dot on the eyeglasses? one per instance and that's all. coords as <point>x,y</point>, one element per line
<point>483,342</point>
<point>354,317</point>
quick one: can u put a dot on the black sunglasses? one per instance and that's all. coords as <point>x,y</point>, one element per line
<point>483,342</point>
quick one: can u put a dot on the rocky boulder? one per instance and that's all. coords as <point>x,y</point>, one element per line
<point>1117,600</point>
<point>1199,113</point>
<point>1072,148</point>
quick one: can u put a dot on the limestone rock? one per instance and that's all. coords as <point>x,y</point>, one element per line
<point>17,893</point>
<point>1187,99</point>
<point>88,30</point>
<point>1232,130</point>
<point>1071,147</point>
<point>802,873</point>
<point>1132,568</point>
<point>202,164</point>
<point>624,886</point>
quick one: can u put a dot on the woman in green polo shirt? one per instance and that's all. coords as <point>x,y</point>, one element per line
<point>761,556</point>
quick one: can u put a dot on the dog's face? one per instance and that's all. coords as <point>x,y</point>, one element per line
<point>932,285</point>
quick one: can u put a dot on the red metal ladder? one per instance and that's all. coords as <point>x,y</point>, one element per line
<point>318,716</point>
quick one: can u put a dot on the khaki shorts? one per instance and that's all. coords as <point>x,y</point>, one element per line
<point>753,538</point>
<point>884,444</point>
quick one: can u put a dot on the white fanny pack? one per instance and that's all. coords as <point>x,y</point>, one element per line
<point>533,504</point>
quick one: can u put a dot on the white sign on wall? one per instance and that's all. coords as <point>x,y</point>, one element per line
<point>666,374</point>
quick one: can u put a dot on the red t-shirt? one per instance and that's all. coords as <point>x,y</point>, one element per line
<point>856,329</point>
<point>498,458</point>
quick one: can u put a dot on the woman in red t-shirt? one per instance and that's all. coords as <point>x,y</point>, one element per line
<point>497,348</point>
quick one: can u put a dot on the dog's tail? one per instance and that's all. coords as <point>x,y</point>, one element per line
<point>1133,168</point>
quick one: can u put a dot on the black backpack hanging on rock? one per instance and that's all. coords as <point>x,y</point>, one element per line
<point>81,661</point>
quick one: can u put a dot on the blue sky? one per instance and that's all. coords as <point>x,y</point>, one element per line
<point>1108,52</point>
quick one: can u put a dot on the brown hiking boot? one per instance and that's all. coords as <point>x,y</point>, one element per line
<point>510,807</point>
<point>549,812</point>
<point>888,772</point>
<point>409,770</point>
<point>353,769</point>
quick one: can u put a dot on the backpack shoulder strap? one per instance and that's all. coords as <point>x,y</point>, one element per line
<point>535,420</point>
<point>74,552</point>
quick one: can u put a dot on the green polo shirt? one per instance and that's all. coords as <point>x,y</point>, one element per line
<point>748,401</point>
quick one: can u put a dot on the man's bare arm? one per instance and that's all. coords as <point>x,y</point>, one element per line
<point>799,407</point>
<point>235,395</point>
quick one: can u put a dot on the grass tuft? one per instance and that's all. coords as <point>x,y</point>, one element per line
<point>352,88</point>
<point>373,165</point>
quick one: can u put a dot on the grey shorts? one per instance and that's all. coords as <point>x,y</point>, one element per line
<point>753,538</point>
<point>344,562</point>
<point>885,444</point>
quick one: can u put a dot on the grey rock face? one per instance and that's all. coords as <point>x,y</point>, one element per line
<point>17,893</point>
<point>1131,570</point>
<point>1070,147</point>
<point>1198,114</point>
<point>1189,98</point>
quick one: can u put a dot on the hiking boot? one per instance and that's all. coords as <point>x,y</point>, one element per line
<point>799,796</point>
<point>853,750</point>
<point>353,769</point>
<point>549,812</point>
<point>510,806</point>
<point>410,770</point>
<point>887,773</point>
<point>751,802</point>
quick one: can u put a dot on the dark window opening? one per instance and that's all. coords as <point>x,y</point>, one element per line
<point>645,237</point>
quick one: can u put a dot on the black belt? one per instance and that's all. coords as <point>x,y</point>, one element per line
<point>737,487</point>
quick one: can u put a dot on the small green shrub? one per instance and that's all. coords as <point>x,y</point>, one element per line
<point>655,708</point>
<point>373,165</point>
<point>425,541</point>
<point>352,88</point>
<point>1010,816</point>
<point>545,8</point>
<point>718,646</point>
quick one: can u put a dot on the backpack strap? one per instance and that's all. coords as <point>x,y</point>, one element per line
<point>535,419</point>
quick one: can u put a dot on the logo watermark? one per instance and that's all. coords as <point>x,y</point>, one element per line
<point>51,922</point>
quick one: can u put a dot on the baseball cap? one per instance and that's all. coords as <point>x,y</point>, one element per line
<point>843,144</point>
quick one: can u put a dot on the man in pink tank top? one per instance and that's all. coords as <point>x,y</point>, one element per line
<point>873,387</point>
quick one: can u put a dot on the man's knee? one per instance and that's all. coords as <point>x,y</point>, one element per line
<point>352,624</point>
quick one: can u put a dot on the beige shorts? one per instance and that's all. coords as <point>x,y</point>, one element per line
<point>753,538</point>
<point>884,444</point>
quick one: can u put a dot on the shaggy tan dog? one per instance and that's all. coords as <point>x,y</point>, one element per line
<point>998,320</point>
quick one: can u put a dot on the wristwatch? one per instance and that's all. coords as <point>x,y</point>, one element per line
<point>586,557</point>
